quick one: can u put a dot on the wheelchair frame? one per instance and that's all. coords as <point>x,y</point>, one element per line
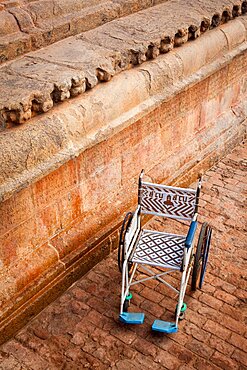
<point>151,201</point>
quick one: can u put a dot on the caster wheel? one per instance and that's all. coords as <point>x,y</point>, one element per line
<point>125,306</point>
<point>181,316</point>
<point>127,302</point>
<point>182,311</point>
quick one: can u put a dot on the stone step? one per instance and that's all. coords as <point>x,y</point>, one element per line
<point>34,83</point>
<point>28,25</point>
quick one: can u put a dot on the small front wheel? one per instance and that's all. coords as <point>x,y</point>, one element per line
<point>182,311</point>
<point>126,305</point>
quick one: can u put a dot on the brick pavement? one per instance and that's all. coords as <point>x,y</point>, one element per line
<point>81,329</point>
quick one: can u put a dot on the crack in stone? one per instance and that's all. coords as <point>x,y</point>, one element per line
<point>149,77</point>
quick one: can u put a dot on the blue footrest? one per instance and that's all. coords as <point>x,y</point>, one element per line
<point>132,317</point>
<point>164,326</point>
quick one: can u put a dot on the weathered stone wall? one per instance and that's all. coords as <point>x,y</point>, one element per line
<point>69,176</point>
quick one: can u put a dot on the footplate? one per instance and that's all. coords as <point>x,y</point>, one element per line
<point>132,317</point>
<point>164,327</point>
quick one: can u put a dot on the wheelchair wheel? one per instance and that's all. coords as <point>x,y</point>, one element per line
<point>201,256</point>
<point>182,312</point>
<point>205,255</point>
<point>124,228</point>
<point>125,305</point>
<point>127,302</point>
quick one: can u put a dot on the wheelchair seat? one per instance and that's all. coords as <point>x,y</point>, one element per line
<point>159,249</point>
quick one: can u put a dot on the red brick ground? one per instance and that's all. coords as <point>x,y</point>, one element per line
<point>81,329</point>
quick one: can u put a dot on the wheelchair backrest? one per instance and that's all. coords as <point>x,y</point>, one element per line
<point>167,201</point>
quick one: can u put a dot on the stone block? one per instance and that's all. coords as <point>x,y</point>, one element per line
<point>35,265</point>
<point>67,82</point>
<point>234,70</point>
<point>23,96</point>
<point>162,72</point>
<point>44,136</point>
<point>24,273</point>
<point>24,20</point>
<point>8,24</point>
<point>67,241</point>
<point>18,243</point>
<point>194,123</point>
<point>243,20</point>
<point>48,221</point>
<point>132,6</point>
<point>235,35</point>
<point>13,45</point>
<point>92,17</point>
<point>99,122</point>
<point>103,183</point>
<point>38,85</point>
<point>216,82</point>
<point>225,99</point>
<point>186,55</point>
<point>51,187</point>
<point>70,207</point>
<point>97,63</point>
<point>16,210</point>
<point>145,150</point>
<point>40,10</point>
<point>217,46</point>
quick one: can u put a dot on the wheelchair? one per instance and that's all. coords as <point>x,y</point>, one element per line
<point>160,253</point>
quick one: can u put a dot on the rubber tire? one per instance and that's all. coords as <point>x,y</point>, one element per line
<point>182,313</point>
<point>126,305</point>
<point>198,257</point>
<point>181,316</point>
<point>205,255</point>
<point>124,228</point>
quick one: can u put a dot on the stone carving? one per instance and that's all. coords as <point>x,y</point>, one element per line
<point>36,82</point>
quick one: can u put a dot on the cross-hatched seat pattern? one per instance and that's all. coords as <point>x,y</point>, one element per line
<point>159,249</point>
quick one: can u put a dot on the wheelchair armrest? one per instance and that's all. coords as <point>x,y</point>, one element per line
<point>191,234</point>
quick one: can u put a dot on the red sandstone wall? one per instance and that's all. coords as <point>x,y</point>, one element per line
<point>45,225</point>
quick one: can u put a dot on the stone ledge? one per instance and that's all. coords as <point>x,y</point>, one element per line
<point>45,143</point>
<point>44,22</point>
<point>71,66</point>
